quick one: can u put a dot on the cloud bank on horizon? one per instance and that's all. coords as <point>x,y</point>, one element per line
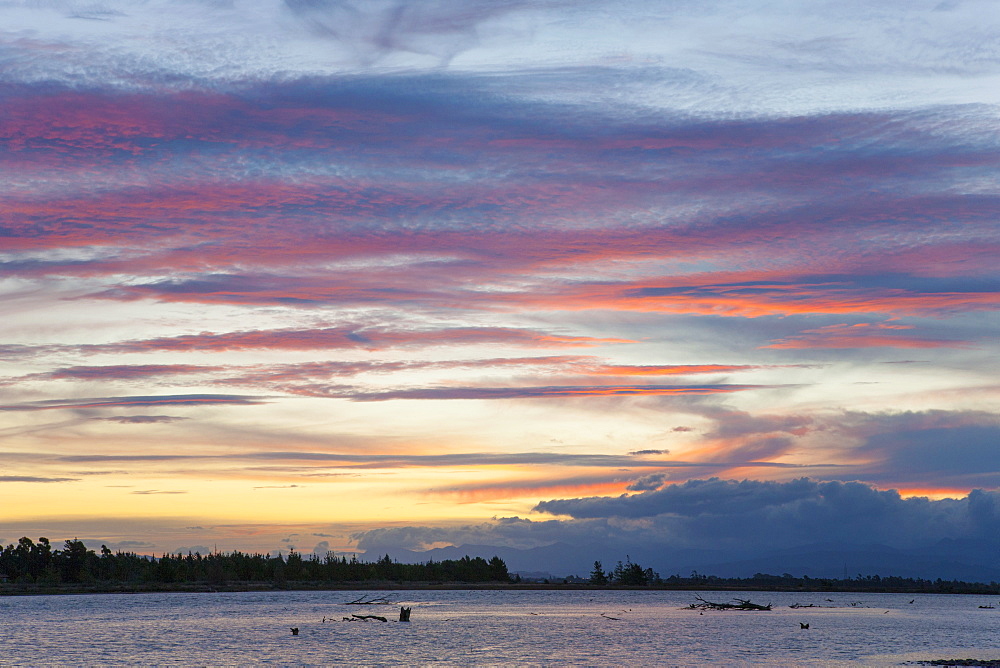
<point>727,514</point>
<point>341,270</point>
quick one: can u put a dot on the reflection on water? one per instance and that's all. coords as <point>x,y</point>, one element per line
<point>494,627</point>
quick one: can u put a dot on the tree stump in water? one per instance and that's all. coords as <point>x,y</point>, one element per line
<point>404,614</point>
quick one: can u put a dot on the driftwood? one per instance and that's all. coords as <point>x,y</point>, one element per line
<point>741,604</point>
<point>617,619</point>
<point>374,600</point>
<point>364,618</point>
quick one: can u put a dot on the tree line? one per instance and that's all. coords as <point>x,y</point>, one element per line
<point>625,574</point>
<point>858,583</point>
<point>29,562</point>
<point>39,563</point>
<point>630,574</point>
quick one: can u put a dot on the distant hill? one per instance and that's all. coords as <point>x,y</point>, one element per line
<point>825,561</point>
<point>949,560</point>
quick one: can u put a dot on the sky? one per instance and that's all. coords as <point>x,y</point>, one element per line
<point>343,276</point>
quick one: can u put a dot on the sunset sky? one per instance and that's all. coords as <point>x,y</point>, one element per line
<point>340,275</point>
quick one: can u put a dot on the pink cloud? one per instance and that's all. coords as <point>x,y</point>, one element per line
<point>364,338</point>
<point>756,299</point>
<point>672,369</point>
<point>124,371</point>
<point>862,335</point>
<point>138,401</point>
<point>539,392</point>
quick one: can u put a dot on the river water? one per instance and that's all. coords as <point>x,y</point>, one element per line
<point>579,627</point>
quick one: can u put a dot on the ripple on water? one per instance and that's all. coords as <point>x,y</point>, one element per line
<point>493,627</point>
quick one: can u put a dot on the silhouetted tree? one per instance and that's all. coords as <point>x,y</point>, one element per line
<point>72,561</point>
<point>498,570</point>
<point>633,575</point>
<point>598,576</point>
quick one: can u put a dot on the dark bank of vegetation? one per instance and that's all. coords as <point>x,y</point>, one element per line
<point>29,567</point>
<point>630,574</point>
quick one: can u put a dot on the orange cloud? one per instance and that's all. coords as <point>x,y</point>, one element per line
<point>754,300</point>
<point>503,490</point>
<point>540,392</point>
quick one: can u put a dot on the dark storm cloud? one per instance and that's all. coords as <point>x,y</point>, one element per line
<point>695,497</point>
<point>796,512</point>
<point>951,448</point>
<point>744,516</point>
<point>648,483</point>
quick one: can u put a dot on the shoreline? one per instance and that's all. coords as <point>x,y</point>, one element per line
<point>9,589</point>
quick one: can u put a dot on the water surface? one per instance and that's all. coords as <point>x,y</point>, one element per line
<point>579,627</point>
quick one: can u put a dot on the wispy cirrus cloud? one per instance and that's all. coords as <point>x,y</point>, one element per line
<point>673,176</point>
<point>138,402</point>
<point>297,378</point>
<point>762,298</point>
<point>376,30</point>
<point>321,338</point>
<point>551,484</point>
<point>365,338</point>
<point>863,335</point>
<point>361,213</point>
<point>30,478</point>
<point>449,460</point>
<point>674,369</point>
<point>157,491</point>
<point>141,419</point>
<point>535,392</point>
<point>642,162</point>
<point>122,372</point>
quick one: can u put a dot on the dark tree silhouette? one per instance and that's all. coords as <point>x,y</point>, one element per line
<point>598,576</point>
<point>28,562</point>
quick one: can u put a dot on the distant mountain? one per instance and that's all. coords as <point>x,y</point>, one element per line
<point>980,552</point>
<point>948,560</point>
<point>826,561</point>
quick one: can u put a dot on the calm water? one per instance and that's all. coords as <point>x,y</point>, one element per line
<point>493,628</point>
